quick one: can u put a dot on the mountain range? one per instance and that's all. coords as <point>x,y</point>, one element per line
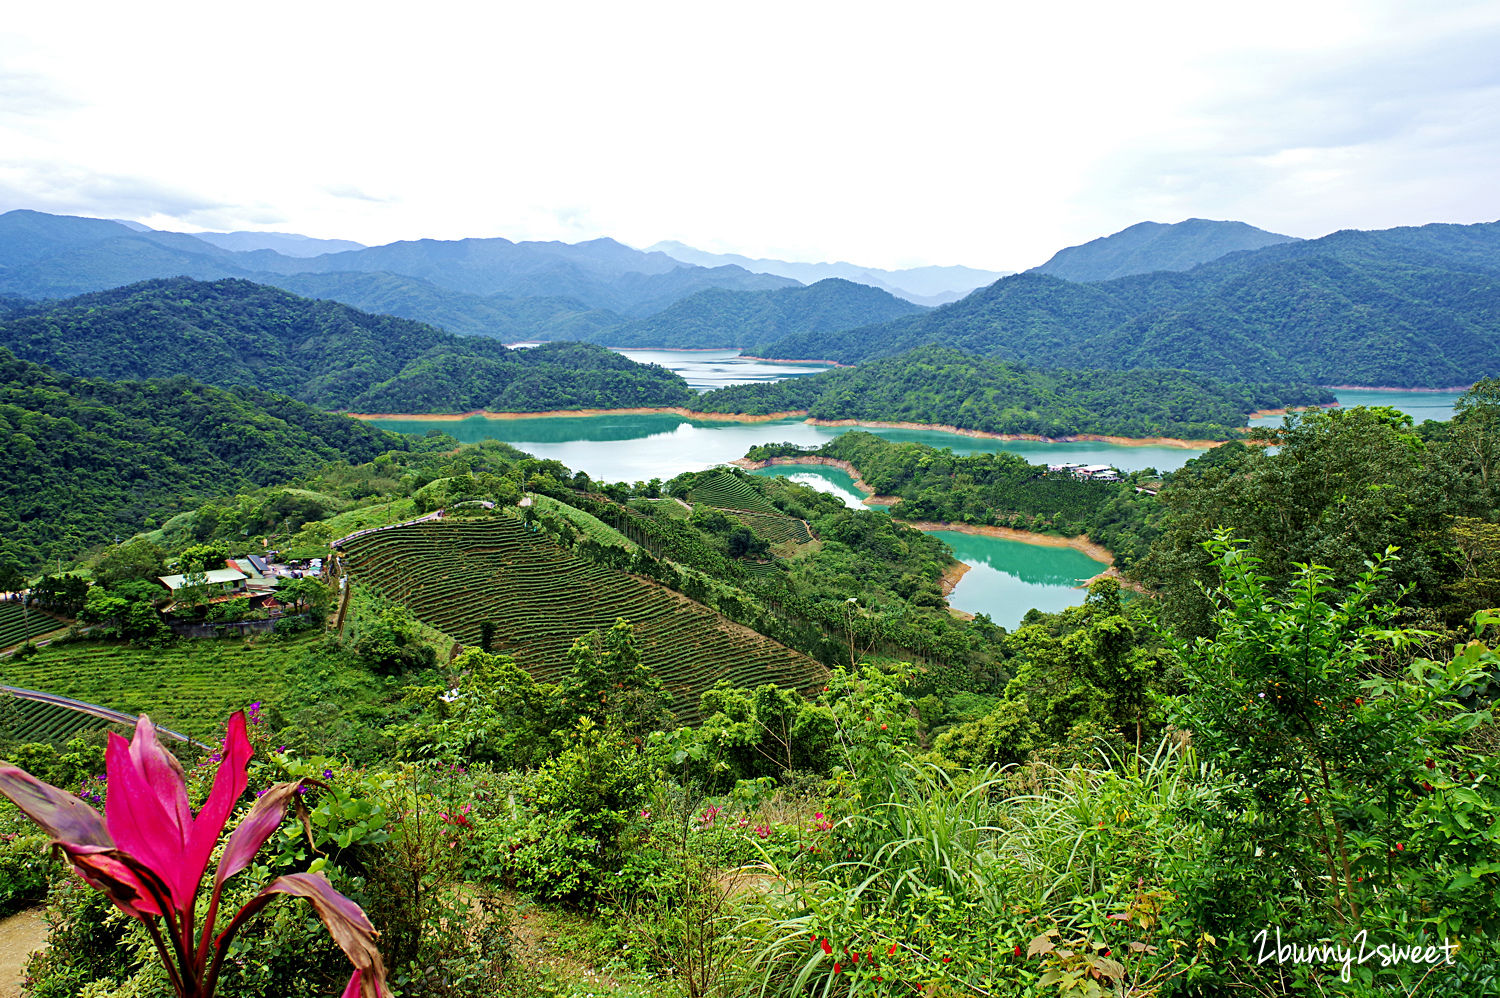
<point>1411,307</point>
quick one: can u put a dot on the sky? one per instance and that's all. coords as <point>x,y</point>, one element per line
<point>885,134</point>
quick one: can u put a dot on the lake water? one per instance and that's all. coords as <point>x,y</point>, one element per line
<point>1420,405</point>
<point>1005,579</point>
<point>705,370</point>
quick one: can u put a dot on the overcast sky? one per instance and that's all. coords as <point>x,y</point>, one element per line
<point>886,134</point>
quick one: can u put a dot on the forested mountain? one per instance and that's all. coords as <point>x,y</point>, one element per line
<point>600,273</point>
<point>942,386</point>
<point>89,459</point>
<point>233,332</point>
<point>59,256</point>
<point>921,285</point>
<point>748,319</point>
<point>1414,307</point>
<point>496,316</point>
<point>1150,246</point>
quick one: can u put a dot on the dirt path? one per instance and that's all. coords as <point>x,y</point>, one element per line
<point>20,936</point>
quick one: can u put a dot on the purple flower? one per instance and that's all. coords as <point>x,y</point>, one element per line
<point>327,774</point>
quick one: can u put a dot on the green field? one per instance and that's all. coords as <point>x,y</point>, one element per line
<point>725,491</point>
<point>33,721</point>
<point>455,576</point>
<point>591,525</point>
<point>190,686</point>
<point>14,622</point>
<point>776,529</point>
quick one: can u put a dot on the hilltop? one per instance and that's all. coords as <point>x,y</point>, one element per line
<point>750,319</point>
<point>234,332</point>
<point>1408,307</point>
<point>1151,246</point>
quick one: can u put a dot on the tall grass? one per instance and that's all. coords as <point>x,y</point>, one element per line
<point>955,873</point>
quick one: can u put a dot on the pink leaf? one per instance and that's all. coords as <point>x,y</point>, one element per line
<point>143,824</point>
<point>134,889</point>
<point>58,813</point>
<point>252,832</point>
<point>229,786</point>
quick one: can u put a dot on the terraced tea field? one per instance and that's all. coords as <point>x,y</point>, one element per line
<point>776,529</point>
<point>190,686</point>
<point>14,620</point>
<point>454,576</point>
<point>34,721</point>
<point>726,491</point>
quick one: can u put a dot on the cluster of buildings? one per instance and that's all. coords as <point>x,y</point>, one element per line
<point>1086,472</point>
<point>244,575</point>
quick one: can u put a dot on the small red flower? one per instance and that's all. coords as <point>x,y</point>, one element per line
<point>1431,764</point>
<point>946,959</point>
<point>838,968</point>
<point>891,951</point>
<point>827,949</point>
<point>1018,951</point>
<point>1400,847</point>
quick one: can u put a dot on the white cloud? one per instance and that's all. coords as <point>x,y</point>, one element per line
<point>886,134</point>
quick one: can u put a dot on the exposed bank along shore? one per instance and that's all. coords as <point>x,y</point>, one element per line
<point>741,417</point>
<point>1098,552</point>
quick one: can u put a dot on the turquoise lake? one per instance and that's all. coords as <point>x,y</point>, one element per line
<point>1006,578</point>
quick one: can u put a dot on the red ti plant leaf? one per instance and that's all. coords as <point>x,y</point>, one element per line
<point>60,814</point>
<point>147,809</point>
<point>344,919</point>
<point>251,833</point>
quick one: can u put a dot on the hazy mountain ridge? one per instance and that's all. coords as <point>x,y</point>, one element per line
<point>1409,307</point>
<point>57,256</point>
<point>1147,247</point>
<point>934,285</point>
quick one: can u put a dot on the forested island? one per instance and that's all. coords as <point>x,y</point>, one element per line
<point>945,387</point>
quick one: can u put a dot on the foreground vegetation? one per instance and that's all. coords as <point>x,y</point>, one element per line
<point>1129,797</point>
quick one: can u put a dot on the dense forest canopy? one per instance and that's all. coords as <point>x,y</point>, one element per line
<point>943,386</point>
<point>88,460</point>
<point>1400,308</point>
<point>234,332</point>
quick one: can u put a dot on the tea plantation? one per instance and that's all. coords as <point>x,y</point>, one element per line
<point>457,575</point>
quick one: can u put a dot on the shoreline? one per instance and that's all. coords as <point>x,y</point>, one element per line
<point>951,575</point>
<point>1258,413</point>
<point>792,360</point>
<point>773,417</point>
<point>1096,551</point>
<point>1080,543</point>
<point>673,410</point>
<point>1388,388</point>
<point>871,499</point>
<point>1032,437</point>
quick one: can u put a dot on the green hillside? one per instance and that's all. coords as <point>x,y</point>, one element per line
<point>943,386</point>
<point>1151,246</point>
<point>1416,307</point>
<point>233,332</point>
<point>87,459</point>
<point>457,576</point>
<point>748,319</point>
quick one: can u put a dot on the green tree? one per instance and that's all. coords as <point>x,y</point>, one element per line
<point>136,559</point>
<point>608,683</point>
<point>1354,787</point>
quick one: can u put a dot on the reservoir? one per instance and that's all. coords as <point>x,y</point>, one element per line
<point>1005,577</point>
